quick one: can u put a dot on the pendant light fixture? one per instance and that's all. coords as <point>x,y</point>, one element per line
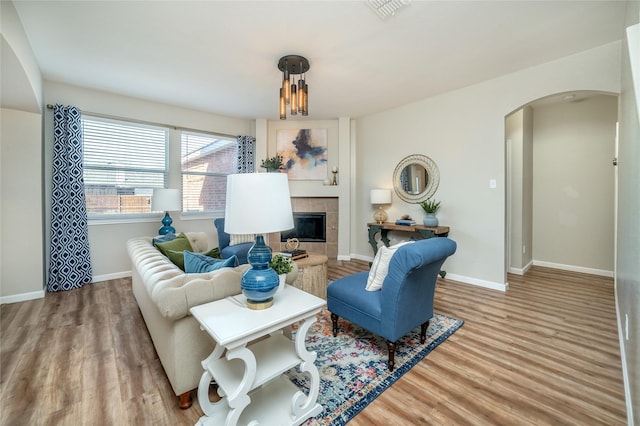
<point>291,93</point>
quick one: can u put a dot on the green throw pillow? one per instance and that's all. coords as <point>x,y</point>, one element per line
<point>178,244</point>
<point>214,252</point>
<point>176,257</point>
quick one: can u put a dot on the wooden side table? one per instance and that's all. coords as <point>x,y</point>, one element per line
<point>249,370</point>
<point>312,275</point>
<point>383,228</point>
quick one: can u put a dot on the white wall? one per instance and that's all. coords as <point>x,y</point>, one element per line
<point>628,233</point>
<point>21,226</point>
<point>21,266</point>
<point>20,77</point>
<point>573,187</point>
<point>519,187</point>
<point>463,132</point>
<point>107,242</point>
<point>338,155</point>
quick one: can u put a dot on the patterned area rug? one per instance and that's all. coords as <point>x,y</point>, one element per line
<point>353,365</point>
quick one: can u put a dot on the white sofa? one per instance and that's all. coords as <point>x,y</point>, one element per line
<point>165,294</point>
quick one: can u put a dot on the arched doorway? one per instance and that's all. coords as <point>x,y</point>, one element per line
<point>560,183</point>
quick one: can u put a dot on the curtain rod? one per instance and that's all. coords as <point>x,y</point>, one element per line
<point>113,117</point>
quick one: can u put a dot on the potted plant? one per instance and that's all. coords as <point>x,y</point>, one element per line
<point>282,265</point>
<point>430,207</point>
<point>273,164</point>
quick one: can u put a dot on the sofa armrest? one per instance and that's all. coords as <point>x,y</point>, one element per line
<point>175,296</point>
<point>171,290</point>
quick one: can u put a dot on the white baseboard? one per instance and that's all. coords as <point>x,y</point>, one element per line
<point>572,268</point>
<point>462,279</point>
<point>23,297</point>
<point>480,283</point>
<point>522,271</point>
<point>114,276</point>
<point>360,257</point>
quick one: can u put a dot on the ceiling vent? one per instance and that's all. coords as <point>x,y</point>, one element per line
<point>387,8</point>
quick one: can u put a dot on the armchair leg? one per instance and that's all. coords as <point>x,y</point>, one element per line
<point>423,332</point>
<point>392,355</point>
<point>185,400</point>
<point>334,321</point>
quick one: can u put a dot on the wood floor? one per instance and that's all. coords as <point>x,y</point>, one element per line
<point>544,353</point>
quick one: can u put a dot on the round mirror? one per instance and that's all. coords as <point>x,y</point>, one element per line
<point>416,178</point>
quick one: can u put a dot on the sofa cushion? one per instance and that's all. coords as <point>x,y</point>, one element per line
<point>196,263</point>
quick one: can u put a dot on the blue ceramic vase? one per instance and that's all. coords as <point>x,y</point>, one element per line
<point>430,220</point>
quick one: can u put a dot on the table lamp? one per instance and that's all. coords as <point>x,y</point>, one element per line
<point>258,203</point>
<point>380,197</point>
<point>166,200</point>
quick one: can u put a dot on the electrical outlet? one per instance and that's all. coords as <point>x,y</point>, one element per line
<point>524,249</point>
<point>626,327</point>
<point>492,184</point>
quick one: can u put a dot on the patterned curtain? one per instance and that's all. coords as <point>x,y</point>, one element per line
<point>246,154</point>
<point>69,262</point>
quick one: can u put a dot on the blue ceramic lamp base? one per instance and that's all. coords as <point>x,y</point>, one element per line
<point>167,228</point>
<point>259,283</point>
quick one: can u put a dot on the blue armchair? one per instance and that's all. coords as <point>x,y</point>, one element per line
<point>226,251</point>
<point>405,300</point>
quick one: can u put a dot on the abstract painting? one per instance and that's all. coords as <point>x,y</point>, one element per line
<point>303,152</point>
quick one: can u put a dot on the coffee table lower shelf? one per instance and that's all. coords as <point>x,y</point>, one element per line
<point>271,401</point>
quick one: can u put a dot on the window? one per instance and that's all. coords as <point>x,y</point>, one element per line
<point>123,162</point>
<point>206,160</point>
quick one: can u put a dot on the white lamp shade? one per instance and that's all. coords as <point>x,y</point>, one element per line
<point>380,196</point>
<point>166,200</point>
<point>257,203</point>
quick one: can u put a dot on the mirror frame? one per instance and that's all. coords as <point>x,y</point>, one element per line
<point>433,178</point>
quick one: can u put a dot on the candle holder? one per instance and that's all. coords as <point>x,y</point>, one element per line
<point>334,182</point>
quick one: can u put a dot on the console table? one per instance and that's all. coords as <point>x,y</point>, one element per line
<point>250,357</point>
<point>383,228</point>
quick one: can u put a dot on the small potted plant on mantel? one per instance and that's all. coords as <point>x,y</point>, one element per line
<point>282,265</point>
<point>273,164</point>
<point>430,207</point>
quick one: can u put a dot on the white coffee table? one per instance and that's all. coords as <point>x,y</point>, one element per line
<point>250,376</point>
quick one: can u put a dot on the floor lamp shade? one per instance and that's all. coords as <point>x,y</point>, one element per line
<point>165,199</point>
<point>258,203</point>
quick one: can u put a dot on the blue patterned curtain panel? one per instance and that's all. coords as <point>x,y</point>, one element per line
<point>246,154</point>
<point>69,262</point>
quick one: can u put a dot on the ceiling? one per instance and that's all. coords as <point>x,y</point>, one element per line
<point>221,56</point>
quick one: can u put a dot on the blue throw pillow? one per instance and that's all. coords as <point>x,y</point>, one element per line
<point>164,238</point>
<point>196,263</point>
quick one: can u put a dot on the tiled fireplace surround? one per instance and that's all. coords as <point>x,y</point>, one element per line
<point>329,205</point>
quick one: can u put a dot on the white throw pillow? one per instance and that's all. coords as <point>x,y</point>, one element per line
<point>380,266</point>
<point>241,238</point>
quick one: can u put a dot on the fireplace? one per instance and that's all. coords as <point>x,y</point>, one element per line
<point>307,227</point>
<point>327,206</point>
